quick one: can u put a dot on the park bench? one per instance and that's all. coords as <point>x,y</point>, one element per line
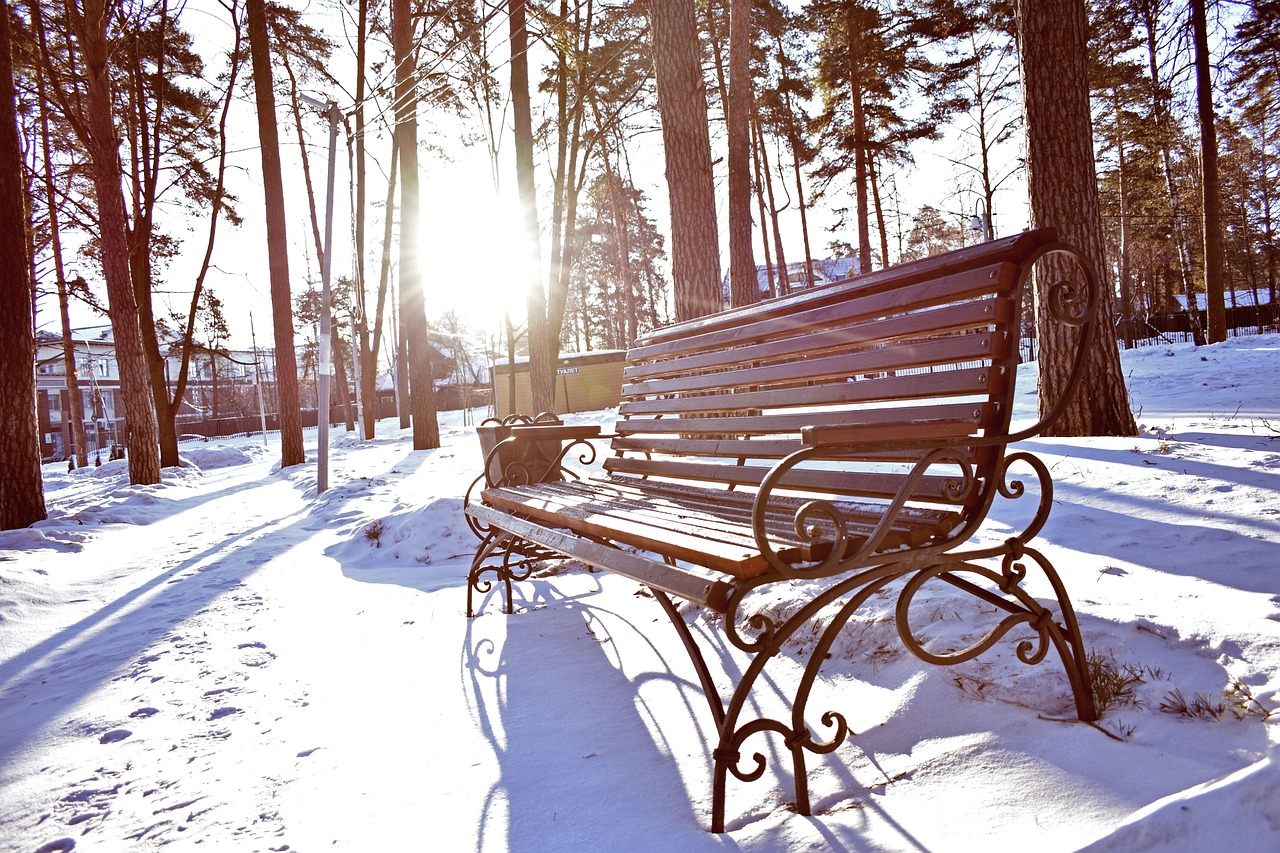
<point>839,439</point>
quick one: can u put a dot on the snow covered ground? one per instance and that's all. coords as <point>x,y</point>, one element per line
<point>228,660</point>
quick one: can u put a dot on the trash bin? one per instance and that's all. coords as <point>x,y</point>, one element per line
<point>536,456</point>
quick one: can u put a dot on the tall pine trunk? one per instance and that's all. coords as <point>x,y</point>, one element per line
<point>542,349</point>
<point>286,359</point>
<point>852,30</point>
<point>743,288</point>
<point>75,399</point>
<point>1210,184</point>
<point>21,486</point>
<point>141,433</point>
<point>1064,194</point>
<point>413,322</point>
<point>682,107</point>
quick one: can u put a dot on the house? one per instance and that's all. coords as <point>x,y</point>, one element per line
<point>217,383</point>
<point>825,271</point>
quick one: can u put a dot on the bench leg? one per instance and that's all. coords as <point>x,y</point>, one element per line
<point>508,557</point>
<point>797,737</point>
<point>1061,634</point>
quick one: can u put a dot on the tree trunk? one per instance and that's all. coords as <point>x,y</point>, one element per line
<point>682,106</point>
<point>1149,11</point>
<point>75,400</point>
<point>426,430</point>
<point>764,217</point>
<point>542,349</point>
<point>852,31</point>
<point>793,142</point>
<point>141,436</point>
<point>1126,278</point>
<point>370,374</point>
<point>743,289</point>
<point>366,358</point>
<point>1064,194</point>
<point>1210,186</point>
<point>21,486</point>
<point>784,278</point>
<point>286,360</point>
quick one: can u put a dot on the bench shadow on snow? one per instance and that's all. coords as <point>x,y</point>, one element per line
<point>580,768</point>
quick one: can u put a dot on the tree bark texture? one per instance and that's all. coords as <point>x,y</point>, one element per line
<point>1064,194</point>
<point>142,441</point>
<point>291,452</point>
<point>682,106</point>
<point>1210,183</point>
<point>426,430</point>
<point>21,486</point>
<point>743,286</point>
<point>542,349</point>
<point>853,32</point>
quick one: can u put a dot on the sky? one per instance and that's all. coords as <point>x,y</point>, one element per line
<point>467,227</point>
<point>230,661</point>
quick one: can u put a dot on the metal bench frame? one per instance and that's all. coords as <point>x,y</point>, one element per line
<point>852,565</point>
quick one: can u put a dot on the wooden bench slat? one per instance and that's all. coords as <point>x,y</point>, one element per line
<point>708,592</point>
<point>964,382</point>
<point>1013,249</point>
<point>952,420</point>
<point>958,349</point>
<point>864,484</point>
<point>840,327</point>
<point>687,530</point>
<point>781,509</point>
<point>733,448</point>
<point>734,559</point>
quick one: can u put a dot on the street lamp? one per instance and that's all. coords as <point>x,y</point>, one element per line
<point>330,108</point>
<point>981,221</point>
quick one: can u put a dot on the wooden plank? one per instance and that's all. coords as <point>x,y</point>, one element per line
<point>1009,249</point>
<point>838,327</point>
<point>821,482</point>
<point>693,587</point>
<point>953,420</point>
<point>703,535</point>
<point>944,383</point>
<point>733,448</point>
<point>958,349</point>
<point>780,513</point>
<point>729,557</point>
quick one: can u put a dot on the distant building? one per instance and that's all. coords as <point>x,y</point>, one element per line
<point>825,271</point>
<point>221,383</point>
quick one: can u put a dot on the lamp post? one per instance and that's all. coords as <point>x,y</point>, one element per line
<point>96,399</point>
<point>981,221</point>
<point>330,108</point>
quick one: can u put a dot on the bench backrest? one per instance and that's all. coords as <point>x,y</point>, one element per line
<point>922,352</point>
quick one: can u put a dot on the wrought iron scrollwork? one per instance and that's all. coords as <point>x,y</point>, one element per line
<point>821,525</point>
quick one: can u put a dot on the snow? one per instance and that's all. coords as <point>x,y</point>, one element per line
<point>229,660</point>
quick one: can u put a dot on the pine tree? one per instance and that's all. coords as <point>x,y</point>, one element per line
<point>21,486</point>
<point>1052,37</point>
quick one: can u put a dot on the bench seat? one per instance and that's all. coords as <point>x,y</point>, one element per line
<point>709,527</point>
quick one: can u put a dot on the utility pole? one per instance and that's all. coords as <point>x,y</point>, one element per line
<point>326,332</point>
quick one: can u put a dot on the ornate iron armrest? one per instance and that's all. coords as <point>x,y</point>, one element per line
<point>819,518</point>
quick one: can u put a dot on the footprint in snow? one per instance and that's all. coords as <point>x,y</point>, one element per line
<point>255,654</point>
<point>143,713</point>
<point>115,736</point>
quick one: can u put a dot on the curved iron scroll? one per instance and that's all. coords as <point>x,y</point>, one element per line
<point>833,537</point>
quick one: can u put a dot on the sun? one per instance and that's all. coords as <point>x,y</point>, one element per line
<point>474,261</point>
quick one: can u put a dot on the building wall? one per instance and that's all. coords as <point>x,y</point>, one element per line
<point>585,382</point>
